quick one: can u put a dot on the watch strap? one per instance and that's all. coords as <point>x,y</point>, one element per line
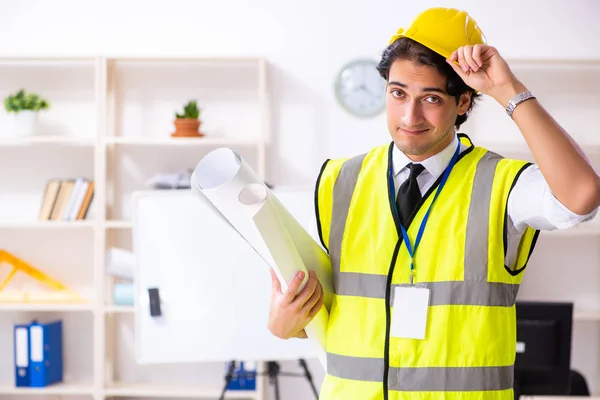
<point>518,99</point>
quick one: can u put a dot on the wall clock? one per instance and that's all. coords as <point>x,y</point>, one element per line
<point>359,88</point>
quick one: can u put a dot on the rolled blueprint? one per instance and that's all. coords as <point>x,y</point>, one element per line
<point>260,218</point>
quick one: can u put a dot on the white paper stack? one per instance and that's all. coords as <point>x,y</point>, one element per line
<point>259,217</point>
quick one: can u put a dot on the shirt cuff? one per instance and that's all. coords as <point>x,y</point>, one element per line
<point>559,215</point>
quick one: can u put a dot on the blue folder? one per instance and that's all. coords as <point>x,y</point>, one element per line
<point>21,340</point>
<point>45,353</point>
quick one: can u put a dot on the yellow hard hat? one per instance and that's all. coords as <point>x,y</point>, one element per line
<point>443,30</point>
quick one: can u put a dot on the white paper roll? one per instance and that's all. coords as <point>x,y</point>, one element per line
<point>254,211</point>
<point>120,262</point>
<point>221,175</point>
<point>286,253</point>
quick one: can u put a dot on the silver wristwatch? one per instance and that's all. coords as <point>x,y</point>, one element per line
<point>518,99</point>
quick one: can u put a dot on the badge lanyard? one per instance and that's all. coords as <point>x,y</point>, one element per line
<point>409,247</point>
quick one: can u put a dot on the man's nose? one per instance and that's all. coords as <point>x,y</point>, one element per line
<point>413,115</point>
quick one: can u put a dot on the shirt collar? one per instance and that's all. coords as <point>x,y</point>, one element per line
<point>435,164</point>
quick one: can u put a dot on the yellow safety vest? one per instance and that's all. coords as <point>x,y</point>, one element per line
<point>470,344</point>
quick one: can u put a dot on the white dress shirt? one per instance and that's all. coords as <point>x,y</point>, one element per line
<point>530,203</point>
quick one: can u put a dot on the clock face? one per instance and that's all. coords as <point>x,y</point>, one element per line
<point>360,89</point>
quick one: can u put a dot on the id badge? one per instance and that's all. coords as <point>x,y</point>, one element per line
<point>409,315</point>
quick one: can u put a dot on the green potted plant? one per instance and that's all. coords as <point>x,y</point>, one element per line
<point>26,107</point>
<point>188,122</point>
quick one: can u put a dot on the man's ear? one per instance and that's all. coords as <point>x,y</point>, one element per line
<point>464,102</point>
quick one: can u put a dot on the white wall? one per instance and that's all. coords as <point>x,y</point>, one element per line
<point>306,42</point>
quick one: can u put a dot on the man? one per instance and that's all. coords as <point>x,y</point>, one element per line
<point>429,236</point>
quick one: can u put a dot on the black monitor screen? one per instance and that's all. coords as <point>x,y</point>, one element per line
<point>543,359</point>
<point>538,344</point>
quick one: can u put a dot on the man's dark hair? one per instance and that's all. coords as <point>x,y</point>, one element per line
<point>407,49</point>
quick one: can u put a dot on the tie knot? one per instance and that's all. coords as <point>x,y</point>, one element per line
<point>415,170</point>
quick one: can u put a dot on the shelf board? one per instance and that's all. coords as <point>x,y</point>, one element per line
<point>585,229</point>
<point>586,315</point>
<point>520,149</point>
<point>59,389</point>
<point>47,62</point>
<point>115,309</point>
<point>50,307</point>
<point>141,61</point>
<point>46,224</point>
<point>554,64</point>
<point>179,391</point>
<point>169,141</point>
<point>46,140</point>
<point>115,224</point>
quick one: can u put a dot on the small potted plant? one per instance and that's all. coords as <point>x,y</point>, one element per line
<point>188,122</point>
<point>26,107</point>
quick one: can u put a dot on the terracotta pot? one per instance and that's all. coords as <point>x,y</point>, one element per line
<point>186,127</point>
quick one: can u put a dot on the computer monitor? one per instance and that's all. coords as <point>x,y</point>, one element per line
<point>543,360</point>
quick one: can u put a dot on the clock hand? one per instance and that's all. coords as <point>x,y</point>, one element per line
<point>365,89</point>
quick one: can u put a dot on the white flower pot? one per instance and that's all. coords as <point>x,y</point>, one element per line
<point>26,122</point>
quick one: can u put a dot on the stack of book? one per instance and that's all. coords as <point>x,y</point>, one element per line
<point>67,199</point>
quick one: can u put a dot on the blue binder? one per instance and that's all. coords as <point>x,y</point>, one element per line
<point>21,341</point>
<point>45,353</point>
<point>244,376</point>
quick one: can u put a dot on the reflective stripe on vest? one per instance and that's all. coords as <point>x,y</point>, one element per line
<point>474,291</point>
<point>429,379</point>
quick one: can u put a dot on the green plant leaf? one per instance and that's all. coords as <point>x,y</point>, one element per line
<point>21,100</point>
<point>190,110</point>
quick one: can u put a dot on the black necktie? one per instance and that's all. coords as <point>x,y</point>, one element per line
<point>409,194</point>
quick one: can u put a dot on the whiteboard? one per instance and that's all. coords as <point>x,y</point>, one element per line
<point>214,288</point>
